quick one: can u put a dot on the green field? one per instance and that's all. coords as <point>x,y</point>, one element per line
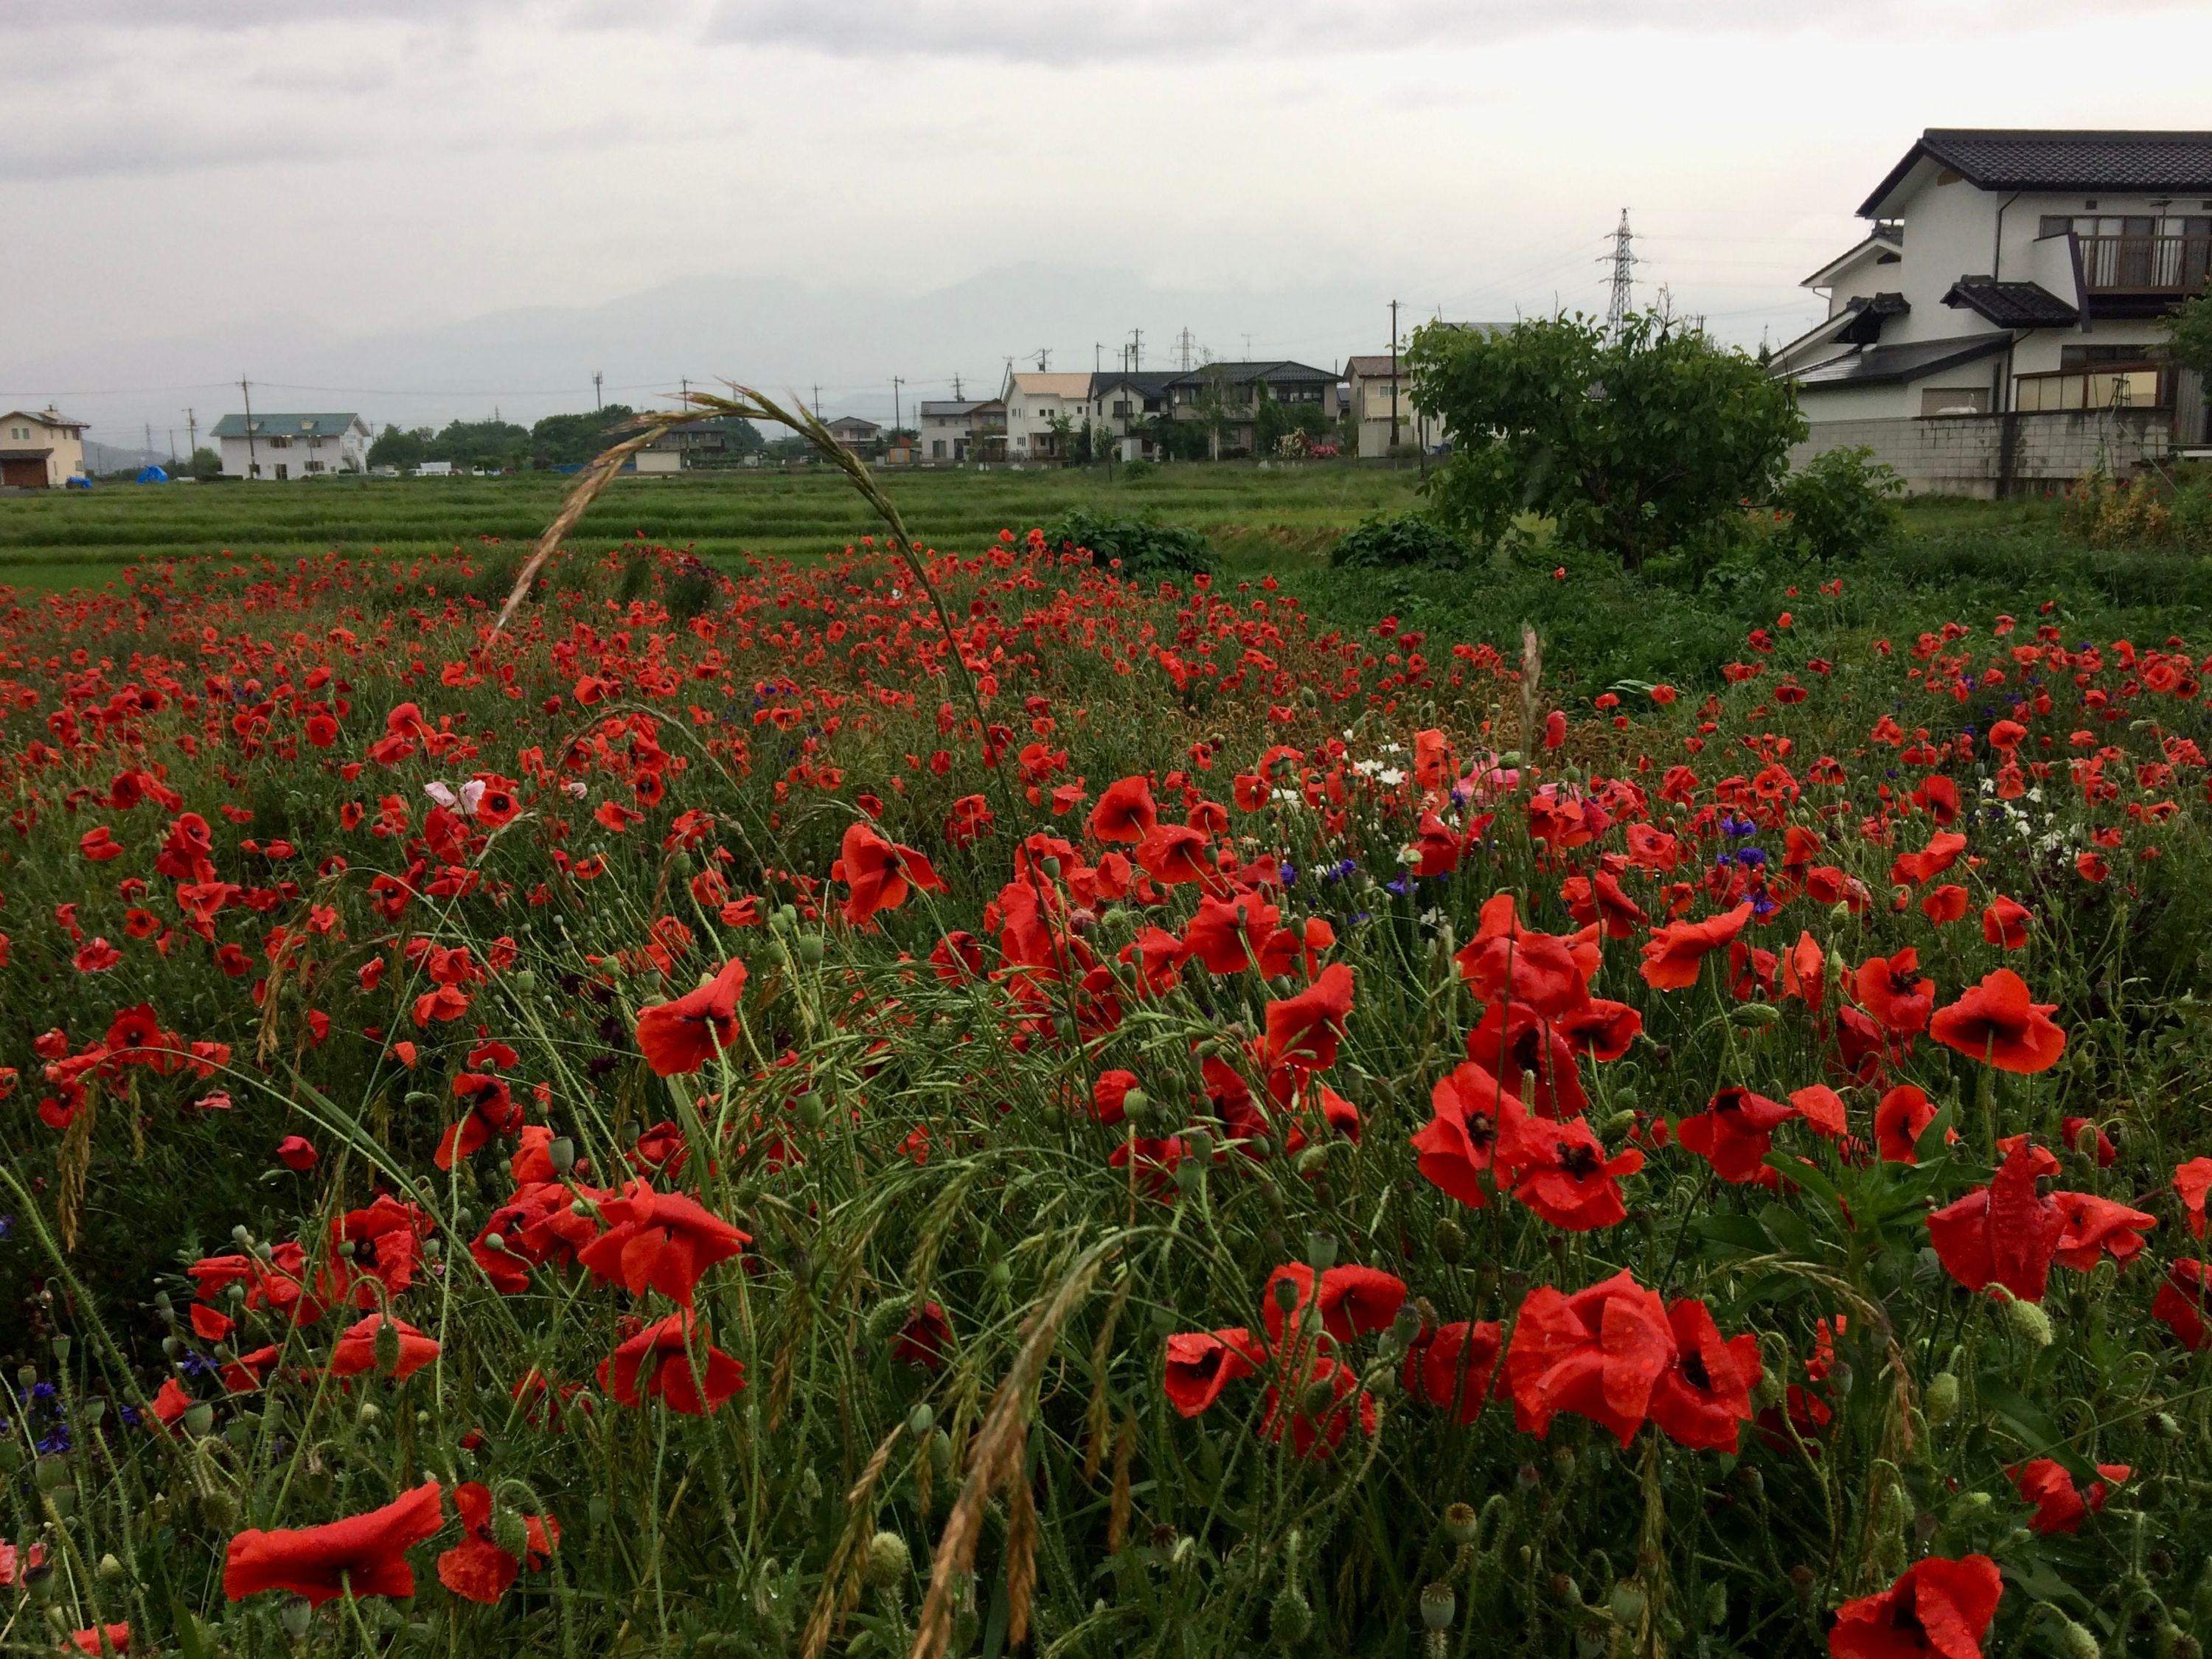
<point>67,539</point>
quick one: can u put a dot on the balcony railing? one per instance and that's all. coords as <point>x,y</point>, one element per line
<point>2145,265</point>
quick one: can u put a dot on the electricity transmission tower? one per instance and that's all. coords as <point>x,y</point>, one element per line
<point>1624,268</point>
<point>1185,345</point>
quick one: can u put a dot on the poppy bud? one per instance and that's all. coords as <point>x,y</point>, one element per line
<point>1627,1604</point>
<point>51,1473</point>
<point>2074,1642</point>
<point>370,1415</point>
<point>890,1560</point>
<point>941,1450</point>
<point>1317,1399</point>
<point>920,1419</point>
<point>1049,864</point>
<point>510,1532</point>
<point>296,1615</point>
<point>2164,1426</point>
<point>1758,1014</point>
<point>199,1418</point>
<point>782,919</point>
<point>1566,1590</point>
<point>561,1154</point>
<point>810,950</point>
<point>1941,1402</point>
<point>1439,1607</point>
<point>1451,1241</point>
<point>1460,1522</point>
<point>2029,1323</point>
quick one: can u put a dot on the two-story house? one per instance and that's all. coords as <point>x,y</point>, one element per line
<point>290,446</point>
<point>1038,406</point>
<point>1227,396</point>
<point>2000,326</point>
<point>954,430</point>
<point>856,433</point>
<point>1128,402</point>
<point>1381,394</point>
<point>43,451</point>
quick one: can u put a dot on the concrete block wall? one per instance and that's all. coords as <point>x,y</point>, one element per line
<point>1966,455</point>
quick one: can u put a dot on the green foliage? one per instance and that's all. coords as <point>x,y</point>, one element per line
<point>493,445</point>
<point>2189,514</point>
<point>404,449</point>
<point>1145,549</point>
<point>1388,542</point>
<point>1631,442</point>
<point>2189,335</point>
<point>1841,503</point>
<point>572,440</point>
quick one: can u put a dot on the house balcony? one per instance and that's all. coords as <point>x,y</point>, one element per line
<point>2142,276</point>
<point>2099,390</point>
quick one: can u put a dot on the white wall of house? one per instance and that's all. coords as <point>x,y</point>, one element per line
<point>24,430</point>
<point>1033,399</point>
<point>290,455</point>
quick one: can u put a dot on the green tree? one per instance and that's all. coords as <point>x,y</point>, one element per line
<point>572,440</point>
<point>405,450</point>
<point>491,444</point>
<point>2189,334</point>
<point>1630,440</point>
<point>203,464</point>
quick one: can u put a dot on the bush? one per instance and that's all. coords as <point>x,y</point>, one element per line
<point>1144,549</point>
<point>1841,503</point>
<point>2189,517</point>
<point>2109,512</point>
<point>1387,541</point>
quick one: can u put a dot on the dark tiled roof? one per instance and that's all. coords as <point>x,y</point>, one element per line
<point>1878,365</point>
<point>285,426</point>
<point>2012,305</point>
<point>2003,158</point>
<point>1242,374</point>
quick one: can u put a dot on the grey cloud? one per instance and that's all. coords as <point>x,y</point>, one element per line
<point>113,150</point>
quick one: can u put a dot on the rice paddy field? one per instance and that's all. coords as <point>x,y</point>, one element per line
<point>68,539</point>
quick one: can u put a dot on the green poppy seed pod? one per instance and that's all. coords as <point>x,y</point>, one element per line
<point>1941,1402</point>
<point>1451,1242</point>
<point>1306,696</point>
<point>920,1420</point>
<point>495,1242</point>
<point>941,1450</point>
<point>51,1473</point>
<point>242,1235</point>
<point>561,1154</point>
<point>1563,1461</point>
<point>1526,1477</point>
<point>2029,1323</point>
<point>1565,1591</point>
<point>296,1615</point>
<point>1321,1251</point>
<point>1619,1123</point>
<point>2074,1642</point>
<point>1460,1522</point>
<point>369,1415</point>
<point>199,1418</point>
<point>1407,1326</point>
<point>1286,1295</point>
<point>1626,1604</point>
<point>1439,1606</point>
<point>890,1560</point>
<point>1136,1103</point>
<point>91,1412</point>
<point>999,1273</point>
<point>523,980</point>
<point>1840,1381</point>
<point>40,1580</point>
<point>62,1347</point>
<point>1188,1175</point>
<point>2171,1641</point>
<point>782,919</point>
<point>810,950</point>
<point>1050,864</point>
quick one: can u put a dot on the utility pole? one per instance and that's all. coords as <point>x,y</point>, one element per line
<point>896,384</point>
<point>253,453</point>
<point>598,402</point>
<point>1394,374</point>
<point>1044,358</point>
<point>956,397</point>
<point>1248,347</point>
<point>1136,350</point>
<point>172,446</point>
<point>149,443</point>
<point>1624,268</point>
<point>818,400</point>
<point>191,433</point>
<point>1098,357</point>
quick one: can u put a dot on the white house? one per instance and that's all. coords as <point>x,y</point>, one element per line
<point>2000,326</point>
<point>287,446</point>
<point>1382,402</point>
<point>954,430</point>
<point>43,451</point>
<point>1034,401</point>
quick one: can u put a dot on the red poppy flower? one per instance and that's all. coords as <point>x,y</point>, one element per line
<point>363,1554</point>
<point>1945,904</point>
<point>1126,813</point>
<point>1174,853</point>
<point>679,1037</point>
<point>662,1240</point>
<point>1452,1365</point>
<point>1910,869</point>
<point>1305,1029</point>
<point>660,1357</point>
<point>386,1237</point>
<point>102,1639</point>
<point>1506,962</point>
<point>355,1352</point>
<point>493,1110</point>
<point>2005,922</point>
<point>1823,1108</point>
<point>478,1567</point>
<point>880,874</point>
<point>1560,1170</point>
<point>1734,1133</point>
<point>1108,1095</point>
<point>1995,1020</point>
<point>1899,1118</point>
<point>1316,1432</point>
<point>1939,1609</point>
<point>1673,954</point>
<point>2098,1227</point>
<point>1228,937</point>
<point>1352,1300</point>
<point>1456,1145</point>
<point>922,1340</point>
<point>1201,1363</point>
<point>1892,991</point>
<point>2059,1506</point>
<point>2004,1233</point>
<point>1703,1396</point>
<point>1599,1353</point>
<point>2192,1180</point>
<point>2183,1303</point>
<point>1512,1042</point>
<point>296,1152</point>
<point>1600,1029</point>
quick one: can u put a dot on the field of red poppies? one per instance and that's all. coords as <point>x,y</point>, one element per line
<point>817,1111</point>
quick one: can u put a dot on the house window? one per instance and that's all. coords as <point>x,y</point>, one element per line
<point>280,443</point>
<point>1955,400</point>
<point>937,450</point>
<point>315,466</point>
<point>1120,407</point>
<point>282,471</point>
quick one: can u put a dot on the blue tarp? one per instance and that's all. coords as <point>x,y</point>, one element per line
<point>152,475</point>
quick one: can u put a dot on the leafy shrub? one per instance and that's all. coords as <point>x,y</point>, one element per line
<point>1146,549</point>
<point>2109,512</point>
<point>1387,541</point>
<point>1841,503</point>
<point>2189,517</point>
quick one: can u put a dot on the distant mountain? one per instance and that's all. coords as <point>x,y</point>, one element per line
<point>779,335</point>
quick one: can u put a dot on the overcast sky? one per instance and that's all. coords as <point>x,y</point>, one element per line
<point>228,170</point>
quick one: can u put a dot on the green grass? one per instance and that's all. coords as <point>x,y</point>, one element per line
<point>76,538</point>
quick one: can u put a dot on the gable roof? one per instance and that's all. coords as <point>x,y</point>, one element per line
<point>2012,305</point>
<point>854,423</point>
<point>2019,158</point>
<point>286,426</point>
<point>1889,239</point>
<point>1378,367</point>
<point>1887,364</point>
<point>51,418</point>
<point>1075,388</point>
<point>949,408</point>
<point>1242,374</point>
<point>1148,381</point>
